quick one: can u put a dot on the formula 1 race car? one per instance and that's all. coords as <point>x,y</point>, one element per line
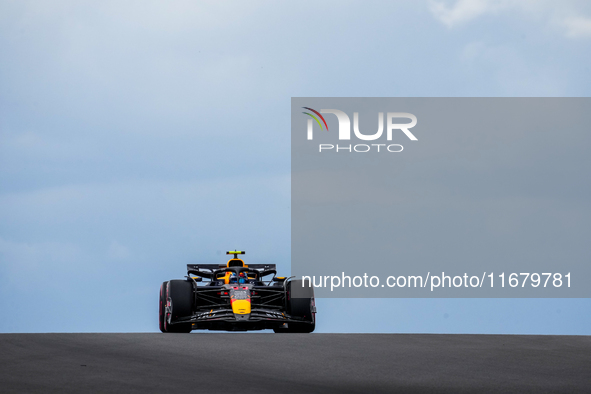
<point>234,297</point>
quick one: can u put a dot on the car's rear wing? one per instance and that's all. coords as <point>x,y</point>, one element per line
<point>207,270</point>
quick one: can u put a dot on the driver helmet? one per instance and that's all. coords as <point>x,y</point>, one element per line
<point>243,278</point>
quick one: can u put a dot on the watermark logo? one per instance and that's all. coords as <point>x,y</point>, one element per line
<point>392,125</point>
<point>316,119</point>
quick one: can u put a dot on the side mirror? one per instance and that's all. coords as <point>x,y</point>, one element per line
<point>197,278</point>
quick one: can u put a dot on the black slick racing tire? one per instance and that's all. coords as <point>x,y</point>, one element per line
<point>300,305</point>
<point>180,293</point>
<point>162,307</point>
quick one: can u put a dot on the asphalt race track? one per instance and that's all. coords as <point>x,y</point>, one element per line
<point>293,363</point>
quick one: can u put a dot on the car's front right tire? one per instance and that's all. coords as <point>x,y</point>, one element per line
<point>180,293</point>
<point>162,307</point>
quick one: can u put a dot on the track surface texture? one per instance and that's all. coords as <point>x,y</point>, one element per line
<point>293,363</point>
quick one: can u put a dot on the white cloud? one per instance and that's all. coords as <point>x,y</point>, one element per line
<point>577,27</point>
<point>464,10</point>
<point>565,15</point>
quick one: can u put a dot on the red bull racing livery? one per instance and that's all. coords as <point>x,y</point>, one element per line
<point>236,297</point>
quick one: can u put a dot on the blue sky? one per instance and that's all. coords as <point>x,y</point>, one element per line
<point>137,137</point>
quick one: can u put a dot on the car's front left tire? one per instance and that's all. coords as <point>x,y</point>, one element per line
<point>301,305</point>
